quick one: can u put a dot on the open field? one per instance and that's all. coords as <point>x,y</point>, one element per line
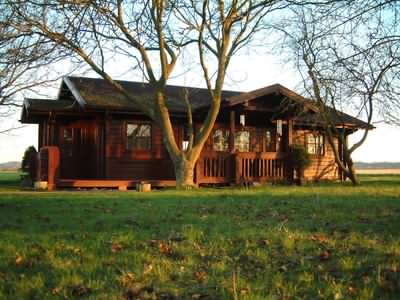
<point>327,241</point>
<point>378,171</point>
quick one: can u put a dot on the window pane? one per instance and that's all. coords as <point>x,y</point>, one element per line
<point>315,144</point>
<point>242,141</point>
<point>270,140</point>
<point>138,136</point>
<point>68,134</point>
<point>221,140</point>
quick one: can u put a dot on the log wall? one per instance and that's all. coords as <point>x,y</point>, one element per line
<point>322,166</point>
<point>122,163</point>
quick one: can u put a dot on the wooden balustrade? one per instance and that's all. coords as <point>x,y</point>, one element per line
<point>219,167</point>
<point>259,167</point>
<point>214,167</point>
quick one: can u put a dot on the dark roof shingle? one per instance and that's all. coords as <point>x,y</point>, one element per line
<point>98,93</point>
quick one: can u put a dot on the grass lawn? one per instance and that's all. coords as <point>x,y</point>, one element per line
<point>327,241</point>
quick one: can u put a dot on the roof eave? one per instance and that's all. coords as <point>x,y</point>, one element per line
<point>71,86</point>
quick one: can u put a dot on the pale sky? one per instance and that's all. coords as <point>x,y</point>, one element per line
<point>245,73</point>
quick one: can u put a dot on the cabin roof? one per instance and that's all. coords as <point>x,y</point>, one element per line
<point>32,104</point>
<point>97,93</point>
<point>88,94</point>
<point>337,117</point>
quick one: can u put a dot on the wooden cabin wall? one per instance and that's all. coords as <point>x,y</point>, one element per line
<point>122,163</point>
<point>322,167</point>
<point>81,152</point>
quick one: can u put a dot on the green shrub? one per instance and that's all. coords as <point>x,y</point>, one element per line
<point>299,160</point>
<point>29,165</point>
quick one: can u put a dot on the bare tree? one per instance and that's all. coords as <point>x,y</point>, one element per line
<point>25,64</point>
<point>152,34</point>
<point>349,55</point>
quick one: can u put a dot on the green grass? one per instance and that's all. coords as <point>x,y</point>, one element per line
<point>327,241</point>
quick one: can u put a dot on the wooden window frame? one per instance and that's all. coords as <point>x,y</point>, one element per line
<point>318,145</point>
<point>225,133</point>
<point>273,140</point>
<point>132,149</point>
<point>244,129</point>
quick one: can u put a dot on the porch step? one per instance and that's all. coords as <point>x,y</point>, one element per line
<point>110,183</point>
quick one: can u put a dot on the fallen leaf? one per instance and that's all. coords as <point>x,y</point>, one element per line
<point>147,268</point>
<point>18,259</point>
<point>164,248</point>
<point>324,255</point>
<point>79,290</point>
<point>176,237</point>
<point>126,278</point>
<point>165,296</point>
<point>200,276</point>
<point>56,290</point>
<point>199,296</point>
<point>352,290</point>
<point>264,243</point>
<point>115,247</point>
<point>244,291</point>
<point>283,268</point>
<point>319,238</point>
<point>135,291</point>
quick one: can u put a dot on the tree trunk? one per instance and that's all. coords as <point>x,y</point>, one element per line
<point>184,173</point>
<point>351,173</point>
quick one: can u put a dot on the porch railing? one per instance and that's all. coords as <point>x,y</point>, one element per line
<point>219,167</point>
<point>214,167</point>
<point>260,167</point>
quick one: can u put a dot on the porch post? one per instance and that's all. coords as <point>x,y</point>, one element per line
<point>233,160</point>
<point>107,119</point>
<point>52,129</point>
<point>289,133</point>
<point>289,169</point>
<point>232,131</point>
<point>53,166</point>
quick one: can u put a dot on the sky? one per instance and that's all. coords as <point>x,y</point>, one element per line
<point>246,73</point>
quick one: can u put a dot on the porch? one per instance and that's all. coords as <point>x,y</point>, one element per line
<point>212,168</point>
<point>241,168</point>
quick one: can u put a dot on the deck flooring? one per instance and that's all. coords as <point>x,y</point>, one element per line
<point>111,183</point>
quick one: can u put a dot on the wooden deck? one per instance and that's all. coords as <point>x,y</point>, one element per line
<point>110,183</point>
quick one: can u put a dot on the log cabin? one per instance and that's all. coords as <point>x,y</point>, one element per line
<point>93,136</point>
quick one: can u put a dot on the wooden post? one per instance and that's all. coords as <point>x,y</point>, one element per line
<point>287,168</point>
<point>105,141</point>
<point>289,133</point>
<point>52,125</point>
<point>237,168</point>
<point>232,131</point>
<point>233,161</point>
<point>53,167</point>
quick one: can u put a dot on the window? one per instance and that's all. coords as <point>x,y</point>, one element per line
<point>138,136</point>
<point>315,144</point>
<point>269,140</point>
<point>242,141</point>
<point>68,134</point>
<point>221,140</point>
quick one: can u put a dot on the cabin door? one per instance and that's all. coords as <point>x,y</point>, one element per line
<point>78,147</point>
